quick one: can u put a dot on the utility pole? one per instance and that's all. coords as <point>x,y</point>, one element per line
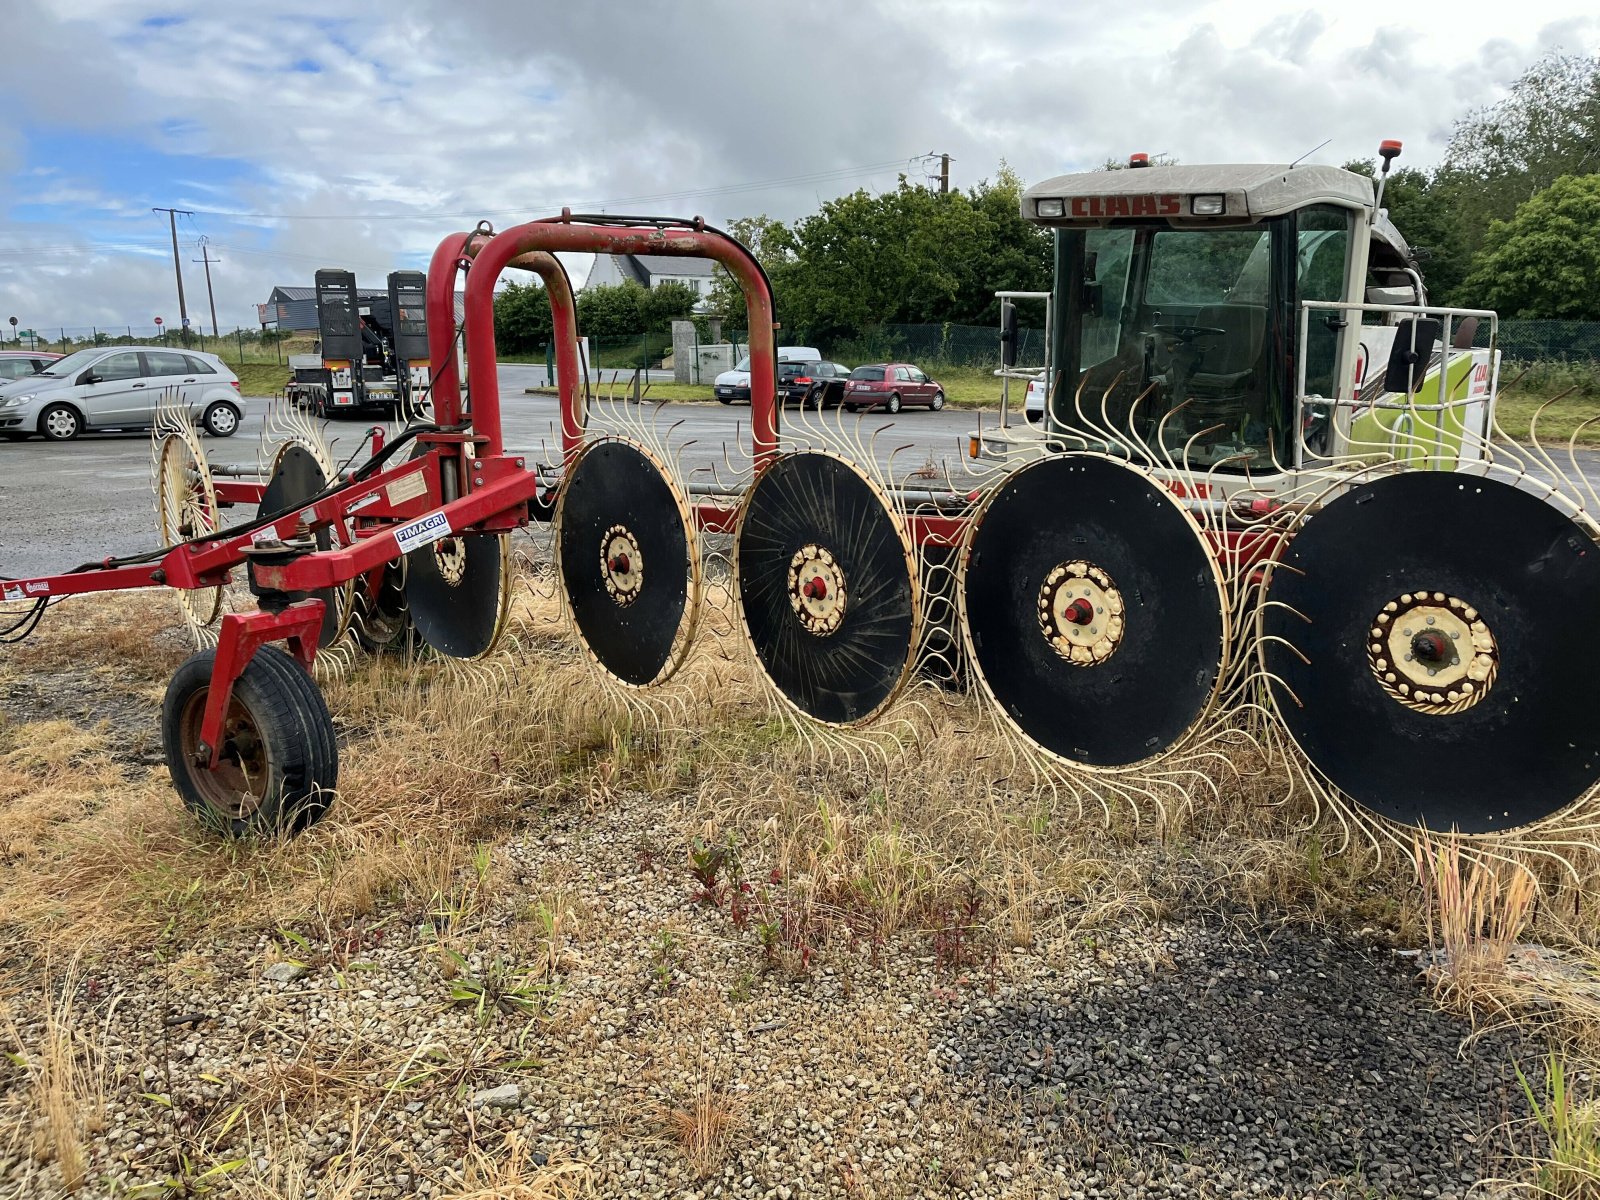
<point>177,267</point>
<point>205,257</point>
<point>944,174</point>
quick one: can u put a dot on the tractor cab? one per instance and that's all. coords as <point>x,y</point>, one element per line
<point>1227,317</point>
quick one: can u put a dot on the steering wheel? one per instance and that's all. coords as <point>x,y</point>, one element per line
<point>1188,333</point>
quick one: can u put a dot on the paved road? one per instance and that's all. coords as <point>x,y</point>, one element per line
<point>63,504</point>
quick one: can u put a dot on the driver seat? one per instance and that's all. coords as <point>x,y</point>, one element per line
<point>1228,361</point>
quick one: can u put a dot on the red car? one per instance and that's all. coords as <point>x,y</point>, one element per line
<point>19,364</point>
<point>891,386</point>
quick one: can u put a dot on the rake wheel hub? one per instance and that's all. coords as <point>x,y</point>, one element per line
<point>621,565</point>
<point>816,589</point>
<point>1433,653</point>
<point>1081,613</point>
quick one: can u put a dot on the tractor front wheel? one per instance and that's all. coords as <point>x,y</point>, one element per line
<point>279,764</point>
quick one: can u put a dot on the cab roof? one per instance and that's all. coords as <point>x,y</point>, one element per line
<point>1251,191</point>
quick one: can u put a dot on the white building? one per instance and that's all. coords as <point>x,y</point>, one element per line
<point>648,270</point>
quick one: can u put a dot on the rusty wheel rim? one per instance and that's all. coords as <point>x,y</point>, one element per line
<point>237,788</point>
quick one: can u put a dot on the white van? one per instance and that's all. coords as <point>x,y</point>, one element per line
<point>735,384</point>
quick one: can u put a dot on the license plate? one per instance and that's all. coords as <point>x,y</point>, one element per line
<point>724,391</point>
<point>343,400</point>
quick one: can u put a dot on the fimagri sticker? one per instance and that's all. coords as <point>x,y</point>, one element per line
<point>432,528</point>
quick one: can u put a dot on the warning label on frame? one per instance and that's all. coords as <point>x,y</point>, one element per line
<point>431,528</point>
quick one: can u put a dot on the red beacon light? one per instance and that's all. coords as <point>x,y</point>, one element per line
<point>1142,159</point>
<point>1388,150</point>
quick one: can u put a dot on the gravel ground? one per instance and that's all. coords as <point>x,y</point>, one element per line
<point>1199,1057</point>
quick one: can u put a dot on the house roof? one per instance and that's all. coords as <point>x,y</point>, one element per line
<point>672,264</point>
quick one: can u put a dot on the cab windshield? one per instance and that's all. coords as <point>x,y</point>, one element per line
<point>1182,338</point>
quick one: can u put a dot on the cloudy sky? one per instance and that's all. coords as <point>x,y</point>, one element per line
<point>303,139</point>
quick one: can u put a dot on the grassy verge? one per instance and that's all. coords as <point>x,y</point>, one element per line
<point>964,387</point>
<point>1571,418</point>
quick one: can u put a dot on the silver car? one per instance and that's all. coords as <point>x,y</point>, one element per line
<point>119,387</point>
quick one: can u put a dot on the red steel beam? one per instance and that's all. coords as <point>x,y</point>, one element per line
<point>558,234</point>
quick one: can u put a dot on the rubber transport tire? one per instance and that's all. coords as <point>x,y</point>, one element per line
<point>937,402</point>
<point>725,399</point>
<point>851,407</point>
<point>289,716</point>
<point>894,404</point>
<point>221,419</point>
<point>68,424</point>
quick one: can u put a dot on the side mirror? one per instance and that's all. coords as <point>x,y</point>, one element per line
<point>1008,334</point>
<point>89,377</point>
<point>1409,356</point>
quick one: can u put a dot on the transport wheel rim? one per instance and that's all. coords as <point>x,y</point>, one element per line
<point>1502,735</point>
<point>223,420</point>
<point>237,788</point>
<point>61,423</point>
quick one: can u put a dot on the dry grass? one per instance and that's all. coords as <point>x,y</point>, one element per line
<point>516,1174</point>
<point>926,831</point>
<point>64,1067</point>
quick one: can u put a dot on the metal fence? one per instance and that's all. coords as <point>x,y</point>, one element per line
<point>1575,343</point>
<point>235,345</point>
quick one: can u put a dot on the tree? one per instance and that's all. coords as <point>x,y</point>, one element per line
<point>1544,262</point>
<point>773,247</point>
<point>665,302</point>
<point>1424,207</point>
<point>910,256</point>
<point>610,310</point>
<point>1547,127</point>
<point>522,321</point>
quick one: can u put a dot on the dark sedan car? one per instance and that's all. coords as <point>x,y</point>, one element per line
<point>812,384</point>
<point>891,386</point>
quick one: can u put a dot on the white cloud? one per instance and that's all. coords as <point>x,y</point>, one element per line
<point>433,111</point>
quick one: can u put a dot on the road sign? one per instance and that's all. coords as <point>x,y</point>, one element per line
<point>186,322</point>
<point>158,320</point>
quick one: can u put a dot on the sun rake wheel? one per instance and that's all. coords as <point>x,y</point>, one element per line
<point>380,620</point>
<point>827,587</point>
<point>296,477</point>
<point>1094,613</point>
<point>186,507</point>
<point>279,764</point>
<point>628,562</point>
<point>1433,644</point>
<point>458,591</point>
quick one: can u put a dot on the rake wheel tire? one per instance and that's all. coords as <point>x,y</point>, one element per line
<point>280,762</point>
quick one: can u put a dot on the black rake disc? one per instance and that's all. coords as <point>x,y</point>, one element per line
<point>296,477</point>
<point>628,565</point>
<point>1518,584</point>
<point>827,587</point>
<point>458,592</point>
<point>1094,612</point>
